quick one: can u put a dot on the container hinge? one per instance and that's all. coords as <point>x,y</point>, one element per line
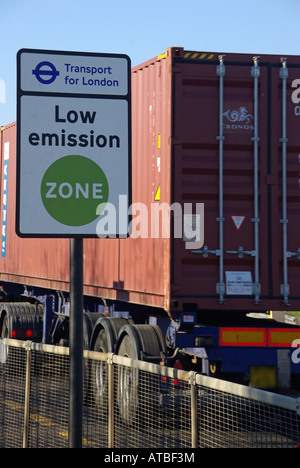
<point>256,289</point>
<point>220,289</point>
<point>284,72</point>
<point>285,291</point>
<point>255,70</point>
<point>221,67</point>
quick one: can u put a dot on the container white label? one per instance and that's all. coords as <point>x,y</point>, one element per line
<point>238,283</point>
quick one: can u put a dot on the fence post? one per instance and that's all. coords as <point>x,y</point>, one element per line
<point>110,365</point>
<point>298,406</point>
<point>194,409</point>
<point>76,343</point>
<point>27,395</point>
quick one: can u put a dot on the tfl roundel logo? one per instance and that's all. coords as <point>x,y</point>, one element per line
<point>45,72</point>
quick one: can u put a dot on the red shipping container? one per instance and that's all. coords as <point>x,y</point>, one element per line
<point>218,131</point>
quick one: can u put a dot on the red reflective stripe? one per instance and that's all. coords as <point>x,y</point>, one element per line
<point>22,334</point>
<point>177,365</point>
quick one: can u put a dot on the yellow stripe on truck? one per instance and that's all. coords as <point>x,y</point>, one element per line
<point>283,337</point>
<point>243,337</point>
<point>273,337</point>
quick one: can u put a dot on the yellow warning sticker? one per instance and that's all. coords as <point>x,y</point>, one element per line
<point>198,55</point>
<point>162,56</point>
<point>157,195</point>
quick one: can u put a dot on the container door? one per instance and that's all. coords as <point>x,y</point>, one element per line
<point>227,154</point>
<point>284,192</point>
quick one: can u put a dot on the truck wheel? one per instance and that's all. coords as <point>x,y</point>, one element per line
<point>5,328</point>
<point>11,357</point>
<point>99,372</point>
<point>4,334</point>
<point>135,342</point>
<point>127,397</point>
<point>104,341</point>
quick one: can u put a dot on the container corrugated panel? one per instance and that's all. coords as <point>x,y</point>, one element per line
<point>145,260</point>
<point>26,261</point>
<point>176,138</point>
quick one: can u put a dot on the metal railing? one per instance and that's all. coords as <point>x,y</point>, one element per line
<point>134,404</point>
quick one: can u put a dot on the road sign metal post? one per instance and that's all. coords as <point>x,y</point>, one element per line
<point>76,342</point>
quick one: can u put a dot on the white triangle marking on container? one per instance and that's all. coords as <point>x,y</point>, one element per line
<point>238,221</point>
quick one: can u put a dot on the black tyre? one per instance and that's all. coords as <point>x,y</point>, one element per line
<point>104,341</point>
<point>5,328</point>
<point>127,396</point>
<point>135,342</point>
<point>99,373</point>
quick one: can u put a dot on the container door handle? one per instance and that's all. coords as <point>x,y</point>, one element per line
<point>221,219</point>
<point>255,73</point>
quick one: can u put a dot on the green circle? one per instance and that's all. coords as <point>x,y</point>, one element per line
<point>72,188</point>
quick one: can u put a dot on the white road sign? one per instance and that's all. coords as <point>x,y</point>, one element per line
<point>74,142</point>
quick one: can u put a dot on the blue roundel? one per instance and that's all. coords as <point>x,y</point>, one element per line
<point>45,72</point>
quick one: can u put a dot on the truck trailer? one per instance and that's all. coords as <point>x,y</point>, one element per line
<point>216,156</point>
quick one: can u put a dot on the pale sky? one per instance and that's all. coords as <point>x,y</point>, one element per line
<point>142,30</point>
